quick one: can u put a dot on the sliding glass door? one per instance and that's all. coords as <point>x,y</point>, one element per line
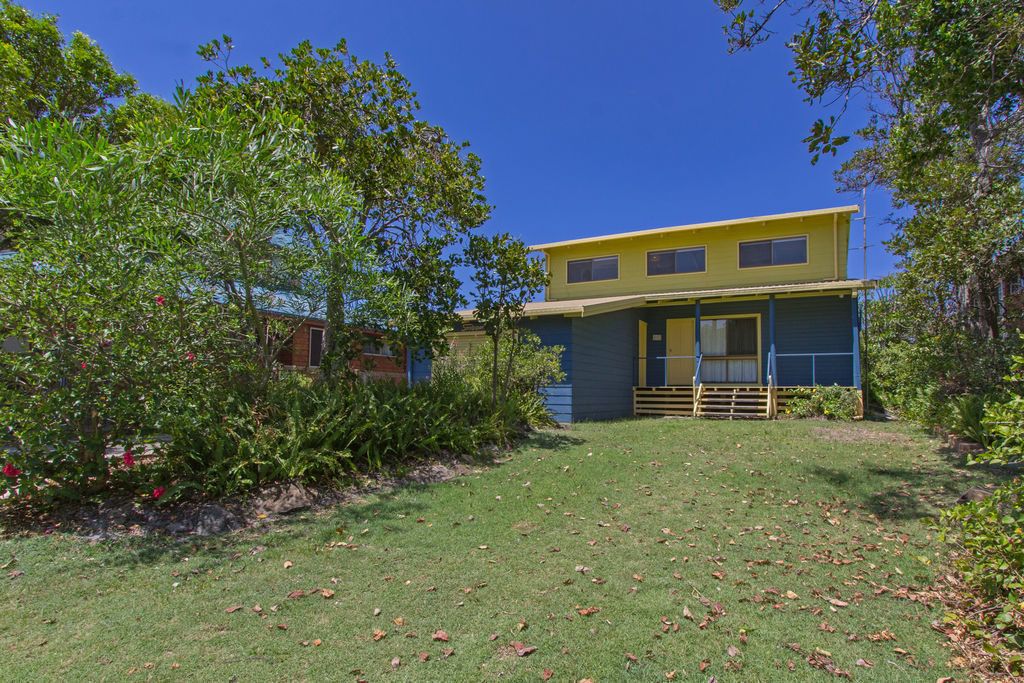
<point>729,347</point>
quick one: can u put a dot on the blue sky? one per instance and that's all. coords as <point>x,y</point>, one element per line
<point>590,116</point>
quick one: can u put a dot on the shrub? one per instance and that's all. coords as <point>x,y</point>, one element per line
<point>834,403</point>
<point>308,430</point>
<point>991,532</point>
<point>967,418</point>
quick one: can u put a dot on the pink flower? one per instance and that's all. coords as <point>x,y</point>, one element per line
<point>190,355</point>
<point>83,365</point>
<point>11,471</point>
<point>160,300</point>
<point>158,491</point>
<point>129,459</point>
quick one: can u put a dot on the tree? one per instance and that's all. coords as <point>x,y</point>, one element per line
<point>112,349</point>
<point>42,75</point>
<point>942,83</point>
<point>246,198</point>
<point>505,278</point>
<point>418,191</point>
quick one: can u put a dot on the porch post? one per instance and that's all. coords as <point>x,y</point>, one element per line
<point>696,330</point>
<point>855,318</point>
<point>771,338</point>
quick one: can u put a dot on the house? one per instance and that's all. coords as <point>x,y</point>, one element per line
<point>720,319</point>
<point>377,360</point>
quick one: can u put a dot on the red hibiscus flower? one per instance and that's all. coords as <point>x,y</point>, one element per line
<point>129,459</point>
<point>160,300</point>
<point>11,471</point>
<point>83,365</point>
<point>190,355</point>
<point>158,491</point>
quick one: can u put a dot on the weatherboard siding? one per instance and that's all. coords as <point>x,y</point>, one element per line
<point>604,349</point>
<point>826,258</point>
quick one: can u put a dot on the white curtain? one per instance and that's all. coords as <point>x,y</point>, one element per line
<point>713,337</point>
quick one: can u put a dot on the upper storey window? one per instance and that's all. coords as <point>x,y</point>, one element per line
<point>591,269</point>
<point>781,252</point>
<point>675,261</point>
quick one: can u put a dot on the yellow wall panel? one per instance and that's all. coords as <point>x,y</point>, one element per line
<point>722,258</point>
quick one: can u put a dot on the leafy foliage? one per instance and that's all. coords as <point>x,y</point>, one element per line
<point>505,278</point>
<point>298,429</point>
<point>834,403</point>
<point>112,349</point>
<point>990,533</point>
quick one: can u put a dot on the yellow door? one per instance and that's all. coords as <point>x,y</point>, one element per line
<point>679,342</point>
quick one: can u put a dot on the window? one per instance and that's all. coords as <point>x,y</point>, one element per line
<point>729,347</point>
<point>674,261</point>
<point>377,347</point>
<point>316,346</point>
<point>781,252</point>
<point>588,270</point>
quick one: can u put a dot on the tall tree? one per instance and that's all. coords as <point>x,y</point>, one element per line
<point>942,82</point>
<point>505,278</point>
<point>419,192</point>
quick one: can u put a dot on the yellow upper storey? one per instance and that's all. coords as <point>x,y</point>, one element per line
<point>827,233</point>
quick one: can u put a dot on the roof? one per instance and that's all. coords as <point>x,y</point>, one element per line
<point>607,304</point>
<point>851,208</point>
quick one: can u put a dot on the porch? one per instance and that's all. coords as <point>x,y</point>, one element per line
<point>743,359</point>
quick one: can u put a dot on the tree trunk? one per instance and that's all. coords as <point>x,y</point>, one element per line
<point>495,345</point>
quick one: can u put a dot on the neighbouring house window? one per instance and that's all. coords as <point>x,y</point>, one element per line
<point>729,347</point>
<point>377,347</point>
<point>588,270</point>
<point>780,252</point>
<point>316,346</point>
<point>675,261</point>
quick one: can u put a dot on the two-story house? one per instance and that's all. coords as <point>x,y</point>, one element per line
<point>712,319</point>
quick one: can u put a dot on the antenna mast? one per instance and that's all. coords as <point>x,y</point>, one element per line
<point>864,321</point>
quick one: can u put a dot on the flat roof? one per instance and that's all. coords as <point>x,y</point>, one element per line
<point>851,208</point>
<point>608,304</point>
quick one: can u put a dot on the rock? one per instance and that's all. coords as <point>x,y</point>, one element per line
<point>974,495</point>
<point>214,519</point>
<point>282,499</point>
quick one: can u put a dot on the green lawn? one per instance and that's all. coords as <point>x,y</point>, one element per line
<point>749,527</point>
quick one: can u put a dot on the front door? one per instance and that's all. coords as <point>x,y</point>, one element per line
<point>679,341</point>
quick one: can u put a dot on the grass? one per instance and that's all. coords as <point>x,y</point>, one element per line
<point>667,515</point>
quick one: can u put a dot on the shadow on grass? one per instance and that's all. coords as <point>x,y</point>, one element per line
<point>900,493</point>
<point>553,440</point>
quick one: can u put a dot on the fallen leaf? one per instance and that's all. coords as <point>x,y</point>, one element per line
<point>424,656</point>
<point>379,635</point>
<point>396,662</point>
<point>687,614</point>
<point>837,603</point>
<point>441,636</point>
<point>327,593</point>
<point>631,657</point>
<point>733,651</point>
<point>546,675</point>
<point>521,649</point>
<point>587,611</point>
<point>317,642</point>
<point>447,652</point>
<point>866,663</point>
<point>233,609</point>
<point>296,594</point>
<point>288,564</point>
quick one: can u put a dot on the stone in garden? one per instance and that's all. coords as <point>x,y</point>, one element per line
<point>282,499</point>
<point>214,519</point>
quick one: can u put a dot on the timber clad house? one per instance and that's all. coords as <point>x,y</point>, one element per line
<point>722,319</point>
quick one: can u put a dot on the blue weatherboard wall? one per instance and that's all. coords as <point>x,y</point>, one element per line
<point>557,331</point>
<point>604,350</point>
<point>814,325</point>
